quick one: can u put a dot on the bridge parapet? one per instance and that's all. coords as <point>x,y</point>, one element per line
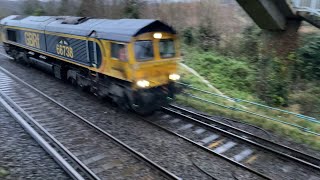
<point>276,14</point>
<point>309,10</point>
<point>309,6</point>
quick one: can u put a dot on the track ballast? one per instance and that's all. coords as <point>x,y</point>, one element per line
<point>91,152</point>
<point>264,158</point>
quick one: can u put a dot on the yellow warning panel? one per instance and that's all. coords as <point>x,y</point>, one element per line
<point>215,144</point>
<point>251,159</point>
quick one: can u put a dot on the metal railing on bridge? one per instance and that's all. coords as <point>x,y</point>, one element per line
<point>310,6</point>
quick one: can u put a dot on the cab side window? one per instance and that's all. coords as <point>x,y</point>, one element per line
<point>119,51</point>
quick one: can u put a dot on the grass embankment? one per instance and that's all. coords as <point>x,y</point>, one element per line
<point>233,78</point>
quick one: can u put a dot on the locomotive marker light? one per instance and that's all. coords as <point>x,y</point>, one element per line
<point>174,77</point>
<point>143,83</point>
<point>157,35</point>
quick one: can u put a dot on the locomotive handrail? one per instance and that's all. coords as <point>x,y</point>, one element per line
<point>237,100</point>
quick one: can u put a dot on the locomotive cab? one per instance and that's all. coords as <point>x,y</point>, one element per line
<point>149,61</point>
<point>155,62</point>
<point>155,59</point>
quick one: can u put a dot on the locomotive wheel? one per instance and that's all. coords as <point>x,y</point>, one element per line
<point>14,53</point>
<point>125,104</point>
<point>73,82</point>
<point>7,51</point>
<point>141,110</point>
<point>84,88</point>
<point>121,102</point>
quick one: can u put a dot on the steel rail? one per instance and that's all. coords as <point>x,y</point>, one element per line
<point>89,174</point>
<point>293,152</point>
<point>135,153</point>
<point>206,149</point>
<point>41,141</point>
<point>232,135</point>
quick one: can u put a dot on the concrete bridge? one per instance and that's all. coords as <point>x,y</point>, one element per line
<point>280,20</point>
<point>275,14</point>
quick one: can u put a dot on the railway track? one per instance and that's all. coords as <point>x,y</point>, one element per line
<point>289,152</point>
<point>261,157</point>
<point>84,150</point>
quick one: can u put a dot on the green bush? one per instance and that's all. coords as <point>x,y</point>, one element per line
<point>309,53</point>
<point>250,42</point>
<point>207,38</point>
<point>188,36</point>
<point>309,100</point>
<point>233,76</point>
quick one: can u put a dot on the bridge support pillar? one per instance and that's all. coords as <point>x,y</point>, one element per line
<point>281,43</point>
<point>276,63</point>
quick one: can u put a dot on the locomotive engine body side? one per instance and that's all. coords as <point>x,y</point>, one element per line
<point>132,61</point>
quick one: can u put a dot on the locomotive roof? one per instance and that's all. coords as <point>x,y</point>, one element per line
<point>110,29</point>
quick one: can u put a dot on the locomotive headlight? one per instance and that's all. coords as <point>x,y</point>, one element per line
<point>174,77</point>
<point>143,83</point>
<point>157,35</point>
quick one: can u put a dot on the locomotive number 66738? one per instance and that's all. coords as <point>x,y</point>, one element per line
<point>64,50</point>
